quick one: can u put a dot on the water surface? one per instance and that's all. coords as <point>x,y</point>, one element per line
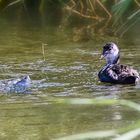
<point>69,71</point>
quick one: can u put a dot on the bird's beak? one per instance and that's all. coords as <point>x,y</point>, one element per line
<point>102,56</point>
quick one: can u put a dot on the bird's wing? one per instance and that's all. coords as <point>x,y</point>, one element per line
<point>122,73</point>
<point>112,74</point>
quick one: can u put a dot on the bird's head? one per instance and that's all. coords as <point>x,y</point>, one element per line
<point>110,53</point>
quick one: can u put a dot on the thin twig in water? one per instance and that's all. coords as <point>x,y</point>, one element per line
<point>43,51</point>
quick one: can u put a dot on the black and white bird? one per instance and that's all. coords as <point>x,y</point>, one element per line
<point>113,72</point>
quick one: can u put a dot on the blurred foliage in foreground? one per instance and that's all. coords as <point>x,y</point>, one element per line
<point>102,16</point>
<point>128,132</point>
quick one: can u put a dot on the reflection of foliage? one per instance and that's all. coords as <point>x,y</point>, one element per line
<point>90,9</point>
<point>118,14</point>
<point>120,9</point>
<point>46,11</point>
<point>114,16</point>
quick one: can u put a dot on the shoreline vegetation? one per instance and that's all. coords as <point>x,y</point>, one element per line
<point>110,17</point>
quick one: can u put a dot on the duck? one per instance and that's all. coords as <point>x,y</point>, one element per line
<point>16,85</point>
<point>113,72</point>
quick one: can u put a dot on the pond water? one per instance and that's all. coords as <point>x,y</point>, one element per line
<point>69,71</point>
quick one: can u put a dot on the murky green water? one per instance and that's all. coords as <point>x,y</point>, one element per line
<point>69,71</point>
